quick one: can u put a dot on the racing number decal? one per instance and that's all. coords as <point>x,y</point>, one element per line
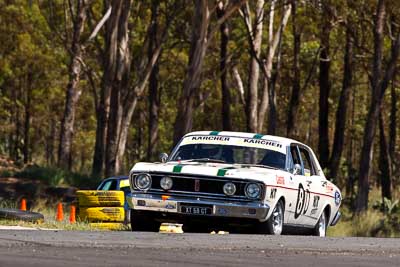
<point>303,201</point>
<point>300,201</point>
<point>307,196</point>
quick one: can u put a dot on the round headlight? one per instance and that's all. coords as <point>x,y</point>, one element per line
<point>229,189</point>
<point>143,181</point>
<point>166,183</point>
<point>253,190</point>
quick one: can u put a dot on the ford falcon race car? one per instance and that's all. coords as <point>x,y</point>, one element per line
<point>269,182</point>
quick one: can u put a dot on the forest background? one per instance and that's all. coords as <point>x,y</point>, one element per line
<point>91,87</point>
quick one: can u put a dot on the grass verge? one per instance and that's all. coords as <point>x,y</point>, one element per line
<point>49,213</point>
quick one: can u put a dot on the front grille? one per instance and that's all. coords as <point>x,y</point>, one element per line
<point>208,186</point>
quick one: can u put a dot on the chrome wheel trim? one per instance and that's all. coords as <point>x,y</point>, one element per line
<point>322,225</point>
<point>277,219</point>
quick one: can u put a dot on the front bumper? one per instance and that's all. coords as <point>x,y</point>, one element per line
<point>154,202</point>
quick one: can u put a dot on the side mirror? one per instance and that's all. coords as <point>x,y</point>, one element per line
<point>296,169</point>
<point>163,157</point>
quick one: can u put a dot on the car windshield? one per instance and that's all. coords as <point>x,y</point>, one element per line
<point>108,185</point>
<point>231,154</point>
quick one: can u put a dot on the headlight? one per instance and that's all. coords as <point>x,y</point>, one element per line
<point>253,190</point>
<point>166,183</point>
<point>143,181</point>
<point>229,189</point>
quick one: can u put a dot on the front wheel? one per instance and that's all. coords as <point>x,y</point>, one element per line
<point>143,222</point>
<point>320,228</point>
<point>274,225</point>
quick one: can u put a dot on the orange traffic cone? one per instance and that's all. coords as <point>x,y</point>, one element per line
<point>23,204</point>
<point>60,213</point>
<point>72,214</point>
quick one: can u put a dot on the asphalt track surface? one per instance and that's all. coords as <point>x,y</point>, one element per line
<point>65,248</point>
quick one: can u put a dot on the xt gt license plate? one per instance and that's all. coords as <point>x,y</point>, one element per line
<point>196,210</point>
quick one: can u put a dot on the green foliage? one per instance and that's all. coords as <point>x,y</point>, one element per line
<point>373,223</point>
<point>6,173</point>
<point>57,177</point>
<point>390,206</point>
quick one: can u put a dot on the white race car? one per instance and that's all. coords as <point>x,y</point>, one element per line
<point>272,183</point>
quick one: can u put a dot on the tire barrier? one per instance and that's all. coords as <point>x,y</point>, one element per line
<point>97,198</point>
<point>107,226</point>
<point>15,214</point>
<point>102,214</point>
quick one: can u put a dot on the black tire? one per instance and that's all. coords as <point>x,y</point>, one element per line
<point>127,219</point>
<point>144,222</point>
<point>269,226</point>
<point>321,226</point>
<point>15,214</point>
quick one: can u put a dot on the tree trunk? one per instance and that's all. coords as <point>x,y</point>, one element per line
<point>295,98</point>
<point>184,117</point>
<point>124,102</point>
<point>341,113</point>
<point>120,84</point>
<point>273,111</point>
<point>393,120</point>
<point>370,126</point>
<point>132,95</point>
<point>384,162</point>
<point>154,97</point>
<point>110,55</point>
<point>17,137</point>
<point>27,125</point>
<point>73,91</point>
<point>268,99</point>
<point>324,89</point>
<point>393,109</point>
<point>379,86</point>
<point>226,94</point>
<point>101,132</point>
<point>254,73</point>
<point>200,39</point>
<point>50,140</point>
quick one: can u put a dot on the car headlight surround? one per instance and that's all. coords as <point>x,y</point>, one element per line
<point>143,181</point>
<point>132,181</point>
<point>166,183</point>
<point>229,189</point>
<point>253,190</point>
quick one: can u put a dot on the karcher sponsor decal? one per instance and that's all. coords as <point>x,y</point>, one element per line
<point>262,142</point>
<point>235,141</point>
<point>211,138</point>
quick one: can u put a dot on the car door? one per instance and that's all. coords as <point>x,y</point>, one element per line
<point>312,201</point>
<point>299,197</point>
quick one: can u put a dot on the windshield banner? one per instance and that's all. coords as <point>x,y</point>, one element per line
<point>234,141</point>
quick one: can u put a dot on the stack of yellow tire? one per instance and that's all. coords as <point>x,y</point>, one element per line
<point>102,209</point>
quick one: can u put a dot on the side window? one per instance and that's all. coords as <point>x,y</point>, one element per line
<point>308,164</point>
<point>295,155</point>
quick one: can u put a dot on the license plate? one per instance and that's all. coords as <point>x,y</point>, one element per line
<point>196,210</point>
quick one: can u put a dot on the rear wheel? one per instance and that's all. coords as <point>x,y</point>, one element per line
<point>274,225</point>
<point>143,222</point>
<point>320,228</point>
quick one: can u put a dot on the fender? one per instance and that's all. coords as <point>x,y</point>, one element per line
<point>272,196</point>
<point>330,217</point>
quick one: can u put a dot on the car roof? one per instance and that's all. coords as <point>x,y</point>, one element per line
<point>283,140</point>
